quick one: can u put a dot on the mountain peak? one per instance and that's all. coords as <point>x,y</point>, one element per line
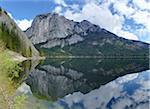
<point>85,22</point>
<point>42,16</point>
<point>50,26</point>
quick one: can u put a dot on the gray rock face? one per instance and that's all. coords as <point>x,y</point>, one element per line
<point>15,39</point>
<point>53,30</point>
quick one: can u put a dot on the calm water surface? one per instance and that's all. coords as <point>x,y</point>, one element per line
<point>85,84</point>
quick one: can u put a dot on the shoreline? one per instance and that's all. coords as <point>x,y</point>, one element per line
<point>19,58</point>
<point>98,57</point>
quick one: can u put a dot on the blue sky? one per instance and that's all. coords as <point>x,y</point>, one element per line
<point>27,9</point>
<point>126,18</point>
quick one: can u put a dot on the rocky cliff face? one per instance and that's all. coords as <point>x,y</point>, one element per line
<point>78,38</point>
<point>54,30</point>
<point>14,38</point>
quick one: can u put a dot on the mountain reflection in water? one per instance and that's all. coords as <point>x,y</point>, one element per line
<point>88,84</point>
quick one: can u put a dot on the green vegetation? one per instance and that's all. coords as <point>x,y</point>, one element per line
<point>9,37</point>
<point>13,42</point>
<point>105,51</point>
<point>56,51</point>
<point>9,70</point>
<point>94,45</point>
<point>19,101</point>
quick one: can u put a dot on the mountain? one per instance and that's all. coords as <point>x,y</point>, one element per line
<point>13,38</point>
<point>57,36</point>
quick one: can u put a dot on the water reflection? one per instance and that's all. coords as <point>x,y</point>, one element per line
<point>27,67</point>
<point>54,79</point>
<point>128,92</point>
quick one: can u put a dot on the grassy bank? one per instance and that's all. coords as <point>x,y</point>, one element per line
<point>9,69</point>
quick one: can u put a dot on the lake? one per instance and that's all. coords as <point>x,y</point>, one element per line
<point>84,84</point>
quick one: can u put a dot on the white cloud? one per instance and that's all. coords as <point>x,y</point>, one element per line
<point>102,16</point>
<point>74,7</point>
<point>127,78</point>
<point>58,9</point>
<point>123,9</point>
<point>24,24</point>
<point>142,17</point>
<point>139,16</point>
<point>96,14</point>
<point>73,16</point>
<point>144,35</point>
<point>125,34</point>
<point>138,11</point>
<point>60,2</point>
<point>142,4</point>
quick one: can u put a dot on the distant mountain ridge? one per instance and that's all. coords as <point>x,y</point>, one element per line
<point>56,35</point>
<point>13,37</point>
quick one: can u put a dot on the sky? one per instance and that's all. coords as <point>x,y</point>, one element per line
<point>126,18</point>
